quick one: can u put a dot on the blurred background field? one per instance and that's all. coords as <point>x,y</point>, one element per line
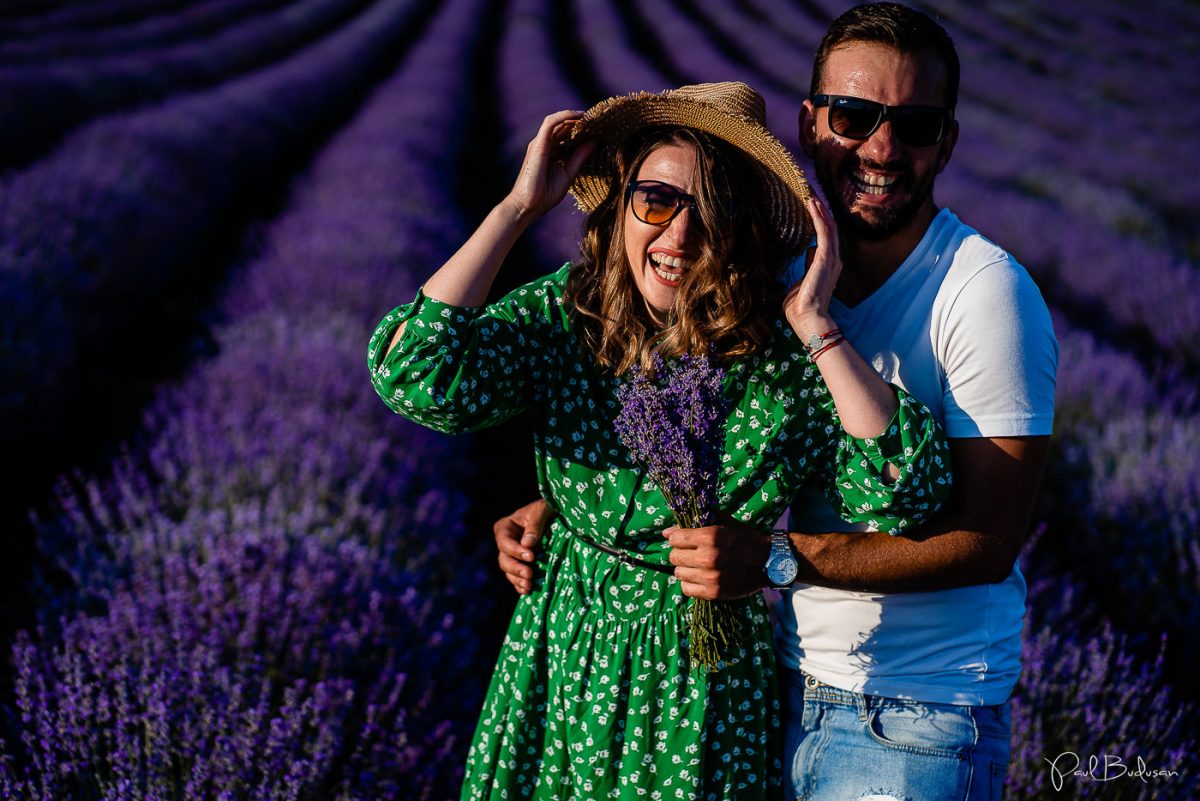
<point>231,573</point>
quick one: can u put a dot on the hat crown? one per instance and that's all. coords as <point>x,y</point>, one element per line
<point>728,97</point>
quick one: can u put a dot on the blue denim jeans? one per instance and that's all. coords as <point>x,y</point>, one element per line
<point>846,746</point>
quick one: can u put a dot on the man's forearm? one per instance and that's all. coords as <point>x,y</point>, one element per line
<point>975,540</point>
<point>942,556</point>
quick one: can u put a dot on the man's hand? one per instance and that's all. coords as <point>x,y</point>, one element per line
<point>517,538</point>
<point>719,562</point>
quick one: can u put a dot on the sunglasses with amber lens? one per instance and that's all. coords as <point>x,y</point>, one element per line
<point>915,126</point>
<point>655,202</point>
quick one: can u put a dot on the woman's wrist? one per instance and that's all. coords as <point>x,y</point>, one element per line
<point>517,212</point>
<point>814,324</point>
<point>817,332</point>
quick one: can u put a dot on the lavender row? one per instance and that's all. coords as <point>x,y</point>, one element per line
<point>34,18</point>
<point>281,562</point>
<point>780,61</point>
<point>530,85</point>
<point>625,68</point>
<point>1097,67</point>
<point>1121,487</point>
<point>1083,696</point>
<point>47,100</point>
<point>254,649</point>
<point>194,21</point>
<point>1103,69</point>
<point>92,237</point>
<point>693,54</point>
<point>1143,289</point>
<point>794,23</point>
<point>775,53</point>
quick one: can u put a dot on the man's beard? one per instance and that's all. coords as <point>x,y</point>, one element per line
<point>887,222</point>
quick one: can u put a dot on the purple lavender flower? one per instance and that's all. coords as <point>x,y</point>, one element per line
<point>270,593</point>
<point>676,430</point>
<point>1086,692</point>
<point>674,427</point>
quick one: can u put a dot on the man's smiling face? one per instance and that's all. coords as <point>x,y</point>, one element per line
<point>879,186</point>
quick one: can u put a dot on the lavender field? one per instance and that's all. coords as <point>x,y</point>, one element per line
<point>233,574</point>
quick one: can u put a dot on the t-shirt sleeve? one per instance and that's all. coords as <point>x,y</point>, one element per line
<point>457,368</point>
<point>1000,356</point>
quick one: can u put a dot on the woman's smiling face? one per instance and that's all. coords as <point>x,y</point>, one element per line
<point>660,255</point>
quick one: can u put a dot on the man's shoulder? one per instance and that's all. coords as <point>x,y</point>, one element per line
<point>993,338</point>
<point>976,265</point>
<point>967,250</point>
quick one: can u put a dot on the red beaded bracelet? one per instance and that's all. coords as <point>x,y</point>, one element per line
<point>830,346</point>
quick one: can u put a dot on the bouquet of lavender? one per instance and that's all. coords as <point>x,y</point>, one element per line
<point>673,422</point>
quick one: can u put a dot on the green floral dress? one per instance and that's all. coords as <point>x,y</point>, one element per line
<point>593,696</point>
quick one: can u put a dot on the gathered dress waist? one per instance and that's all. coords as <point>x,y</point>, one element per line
<point>623,556</point>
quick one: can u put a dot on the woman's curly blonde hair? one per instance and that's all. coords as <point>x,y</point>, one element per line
<point>724,300</point>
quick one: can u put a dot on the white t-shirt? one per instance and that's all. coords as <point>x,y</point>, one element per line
<point>962,326</point>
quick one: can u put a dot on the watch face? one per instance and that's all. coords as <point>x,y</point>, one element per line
<point>781,569</point>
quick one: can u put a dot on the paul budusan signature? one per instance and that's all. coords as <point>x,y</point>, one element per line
<point>1102,768</point>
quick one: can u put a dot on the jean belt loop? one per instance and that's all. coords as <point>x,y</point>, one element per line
<point>863,702</point>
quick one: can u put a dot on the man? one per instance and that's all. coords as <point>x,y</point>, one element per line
<point>898,654</point>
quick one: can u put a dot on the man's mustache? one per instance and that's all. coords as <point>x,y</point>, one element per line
<point>855,163</point>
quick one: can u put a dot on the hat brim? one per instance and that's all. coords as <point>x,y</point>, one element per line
<point>612,121</point>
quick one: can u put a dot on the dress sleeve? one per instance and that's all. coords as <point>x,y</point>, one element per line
<point>916,444</point>
<point>457,368</point>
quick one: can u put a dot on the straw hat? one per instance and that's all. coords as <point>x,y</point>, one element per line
<point>731,111</point>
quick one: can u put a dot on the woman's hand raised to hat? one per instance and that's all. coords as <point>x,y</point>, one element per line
<point>865,404</point>
<point>807,303</point>
<point>551,162</point>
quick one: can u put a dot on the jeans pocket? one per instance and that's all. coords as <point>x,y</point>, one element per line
<point>931,729</point>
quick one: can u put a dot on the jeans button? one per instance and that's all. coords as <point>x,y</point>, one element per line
<point>810,683</point>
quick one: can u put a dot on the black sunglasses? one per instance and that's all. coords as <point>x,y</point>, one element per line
<point>657,203</point>
<point>915,126</point>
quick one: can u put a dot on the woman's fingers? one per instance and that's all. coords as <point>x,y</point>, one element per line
<point>567,156</point>
<point>578,156</point>
<point>551,162</point>
<point>554,132</point>
<point>826,233</point>
<point>807,303</point>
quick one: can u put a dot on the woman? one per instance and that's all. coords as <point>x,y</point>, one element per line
<point>694,210</point>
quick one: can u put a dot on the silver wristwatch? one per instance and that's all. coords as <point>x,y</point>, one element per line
<point>781,566</point>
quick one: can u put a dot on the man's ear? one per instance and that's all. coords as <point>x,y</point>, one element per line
<point>946,148</point>
<point>807,120</point>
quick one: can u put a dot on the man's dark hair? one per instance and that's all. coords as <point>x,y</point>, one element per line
<point>905,29</point>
